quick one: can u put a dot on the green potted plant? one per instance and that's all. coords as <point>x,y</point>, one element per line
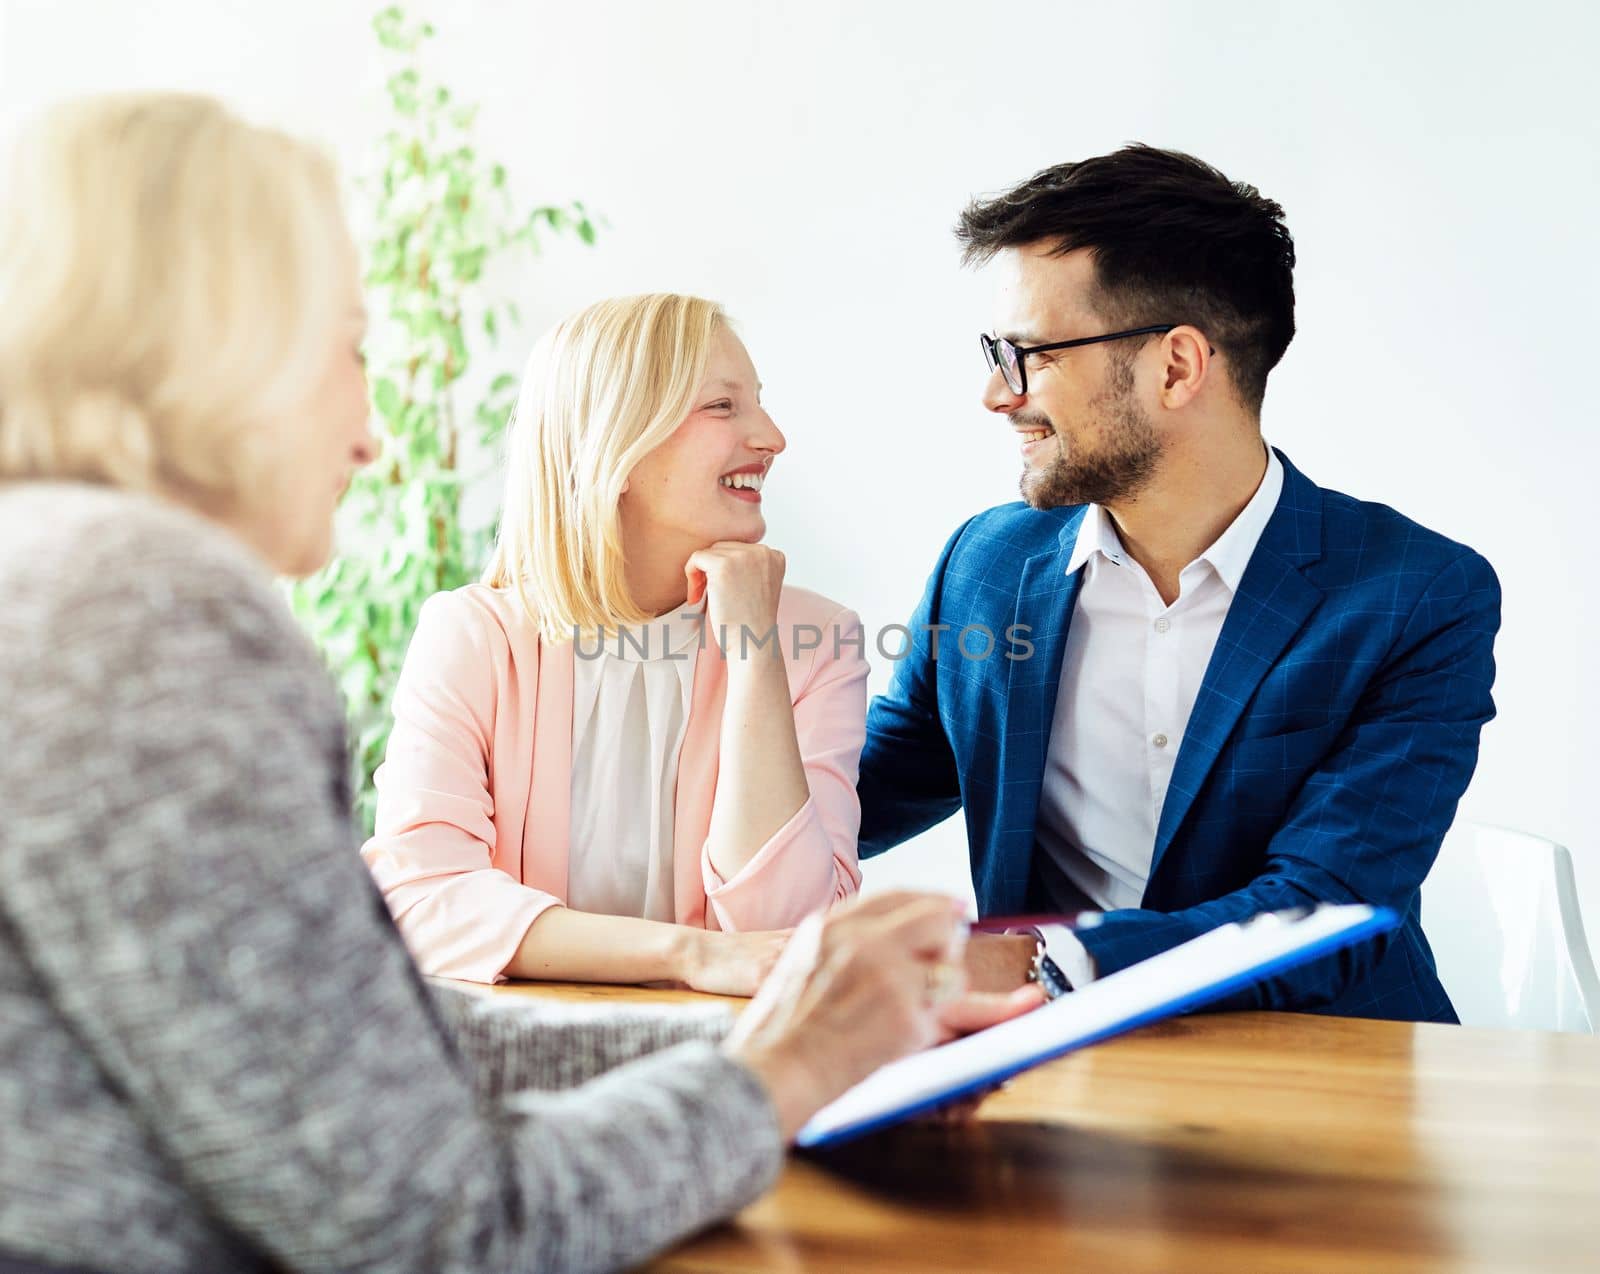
<point>435,214</point>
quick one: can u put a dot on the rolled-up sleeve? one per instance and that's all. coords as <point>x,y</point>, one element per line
<point>810,862</point>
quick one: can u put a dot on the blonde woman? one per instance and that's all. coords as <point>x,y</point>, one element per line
<point>629,755</point>
<point>218,1054</point>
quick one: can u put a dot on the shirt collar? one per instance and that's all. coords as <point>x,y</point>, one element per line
<point>1228,556</point>
<point>655,639</point>
<point>1234,547</point>
<point>1097,537</point>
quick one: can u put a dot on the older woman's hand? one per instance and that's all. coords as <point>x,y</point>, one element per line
<point>857,987</point>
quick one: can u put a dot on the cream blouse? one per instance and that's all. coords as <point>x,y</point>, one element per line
<point>630,707</point>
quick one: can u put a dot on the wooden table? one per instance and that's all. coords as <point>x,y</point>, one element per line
<point>1247,1142</point>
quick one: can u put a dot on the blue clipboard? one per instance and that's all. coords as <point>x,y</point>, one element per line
<point>1191,975</point>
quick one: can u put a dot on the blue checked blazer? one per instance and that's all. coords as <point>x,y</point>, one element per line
<point>1334,731</point>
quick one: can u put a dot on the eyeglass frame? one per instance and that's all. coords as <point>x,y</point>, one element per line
<point>991,347</point>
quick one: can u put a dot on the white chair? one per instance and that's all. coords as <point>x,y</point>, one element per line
<point>1500,909</point>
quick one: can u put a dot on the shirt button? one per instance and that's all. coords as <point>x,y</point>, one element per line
<point>1160,740</point>
<point>1163,624</point>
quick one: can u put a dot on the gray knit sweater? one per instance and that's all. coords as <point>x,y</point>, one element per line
<point>215,1053</point>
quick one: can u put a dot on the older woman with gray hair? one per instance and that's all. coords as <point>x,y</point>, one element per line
<point>217,1053</point>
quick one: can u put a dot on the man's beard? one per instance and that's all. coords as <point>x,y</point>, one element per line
<point>1123,465</point>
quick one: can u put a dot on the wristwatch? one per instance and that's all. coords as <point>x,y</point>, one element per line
<point>1046,972</point>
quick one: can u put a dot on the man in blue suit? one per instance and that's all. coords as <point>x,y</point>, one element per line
<point>1179,683</point>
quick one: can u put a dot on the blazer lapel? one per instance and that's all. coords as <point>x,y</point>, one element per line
<point>1273,603</point>
<point>697,784</point>
<point>1045,599</point>
<point>549,818</point>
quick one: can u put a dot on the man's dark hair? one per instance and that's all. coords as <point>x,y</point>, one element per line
<point>1173,241</point>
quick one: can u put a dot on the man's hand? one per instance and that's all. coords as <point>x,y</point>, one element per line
<point>999,962</point>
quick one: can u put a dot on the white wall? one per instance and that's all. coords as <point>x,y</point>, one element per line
<point>803,162</point>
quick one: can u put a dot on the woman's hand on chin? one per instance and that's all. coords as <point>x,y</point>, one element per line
<point>732,963</point>
<point>740,584</point>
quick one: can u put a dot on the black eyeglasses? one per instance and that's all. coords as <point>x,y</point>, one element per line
<point>1012,359</point>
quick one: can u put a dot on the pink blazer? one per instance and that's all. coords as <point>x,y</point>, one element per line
<point>472,835</point>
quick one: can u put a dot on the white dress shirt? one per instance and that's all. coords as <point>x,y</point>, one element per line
<point>630,707</point>
<point>1130,674</point>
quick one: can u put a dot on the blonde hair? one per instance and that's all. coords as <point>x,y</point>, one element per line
<point>164,291</point>
<point>602,389</point>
